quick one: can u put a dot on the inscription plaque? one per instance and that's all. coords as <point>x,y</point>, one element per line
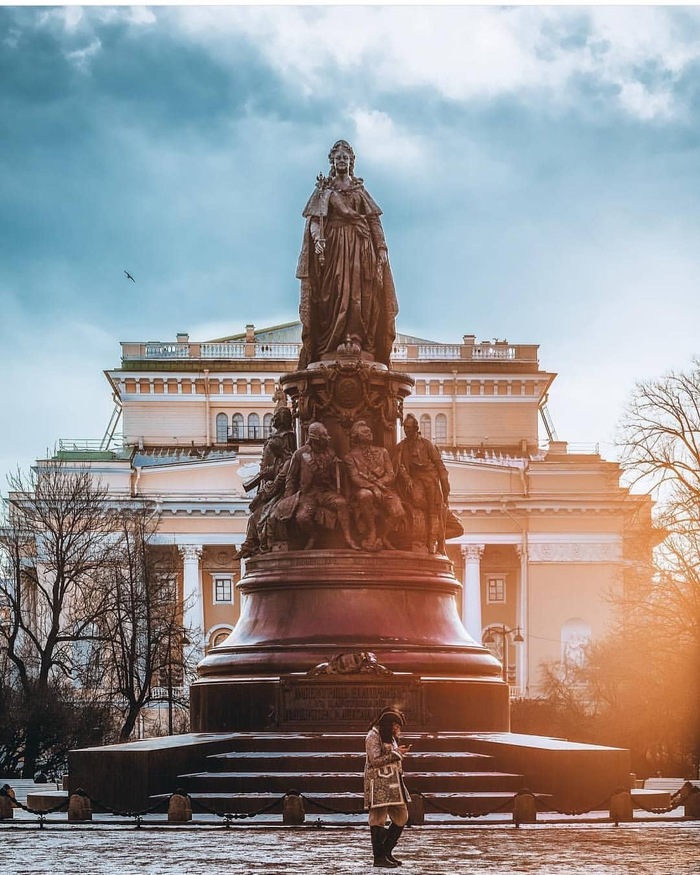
<point>326,701</point>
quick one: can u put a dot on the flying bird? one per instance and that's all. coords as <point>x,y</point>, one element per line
<point>129,276</point>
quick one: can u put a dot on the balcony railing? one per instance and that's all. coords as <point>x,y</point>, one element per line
<point>243,434</point>
<point>235,350</point>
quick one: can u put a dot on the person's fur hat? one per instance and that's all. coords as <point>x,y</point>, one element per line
<point>397,716</point>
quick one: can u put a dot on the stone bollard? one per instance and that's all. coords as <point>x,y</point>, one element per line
<point>79,807</point>
<point>524,807</point>
<point>293,812</point>
<point>621,808</point>
<point>416,811</point>
<point>7,809</point>
<point>691,801</point>
<point>179,807</point>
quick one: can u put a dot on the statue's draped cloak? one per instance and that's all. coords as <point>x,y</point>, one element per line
<point>349,295</point>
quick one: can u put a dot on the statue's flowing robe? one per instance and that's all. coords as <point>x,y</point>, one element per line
<point>348,295</point>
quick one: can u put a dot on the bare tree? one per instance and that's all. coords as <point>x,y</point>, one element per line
<point>55,543</point>
<point>145,636</point>
<point>658,633</point>
<point>640,687</point>
<point>660,443</point>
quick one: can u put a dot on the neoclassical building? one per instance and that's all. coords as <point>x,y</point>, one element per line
<point>548,532</point>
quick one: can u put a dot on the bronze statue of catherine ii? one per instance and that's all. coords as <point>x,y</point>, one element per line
<point>347,290</point>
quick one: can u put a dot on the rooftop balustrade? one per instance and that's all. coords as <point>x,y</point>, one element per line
<point>404,352</point>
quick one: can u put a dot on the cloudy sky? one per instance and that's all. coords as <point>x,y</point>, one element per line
<point>538,168</point>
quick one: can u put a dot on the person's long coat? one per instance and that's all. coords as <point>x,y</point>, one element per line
<point>383,786</point>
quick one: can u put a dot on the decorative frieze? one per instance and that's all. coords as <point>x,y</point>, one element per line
<point>575,551</point>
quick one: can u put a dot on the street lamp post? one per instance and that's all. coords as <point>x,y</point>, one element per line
<point>503,633</point>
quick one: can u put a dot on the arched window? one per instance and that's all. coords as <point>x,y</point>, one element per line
<point>267,425</point>
<point>237,426</point>
<point>426,426</point>
<point>441,429</point>
<point>218,635</point>
<point>254,426</point>
<point>221,428</point>
<point>575,637</point>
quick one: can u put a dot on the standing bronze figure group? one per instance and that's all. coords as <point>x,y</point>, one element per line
<point>375,502</point>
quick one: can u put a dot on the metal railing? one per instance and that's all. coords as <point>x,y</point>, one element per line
<point>243,433</point>
<point>89,445</point>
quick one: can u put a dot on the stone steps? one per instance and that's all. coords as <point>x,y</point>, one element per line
<point>342,761</point>
<point>328,767</point>
<point>464,769</point>
<point>330,781</point>
<point>341,742</point>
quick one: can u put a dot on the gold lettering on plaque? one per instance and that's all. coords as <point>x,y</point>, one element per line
<point>304,702</point>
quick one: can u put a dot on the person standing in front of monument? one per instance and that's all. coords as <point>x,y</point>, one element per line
<point>385,793</point>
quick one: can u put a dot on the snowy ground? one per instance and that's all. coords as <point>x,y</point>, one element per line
<point>656,848</point>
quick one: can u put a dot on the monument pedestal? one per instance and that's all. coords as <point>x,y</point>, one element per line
<point>340,391</point>
<point>330,637</point>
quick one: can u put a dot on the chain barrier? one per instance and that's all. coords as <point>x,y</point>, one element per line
<point>43,813</point>
<point>676,801</point>
<point>323,806</point>
<point>573,812</point>
<point>138,815</point>
<point>235,815</point>
<point>443,810</point>
<point>229,816</point>
<point>38,811</point>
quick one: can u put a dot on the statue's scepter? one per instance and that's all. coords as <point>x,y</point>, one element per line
<point>322,182</point>
<point>322,241</point>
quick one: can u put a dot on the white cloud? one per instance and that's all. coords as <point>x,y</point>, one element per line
<point>67,17</point>
<point>141,15</point>
<point>377,134</point>
<point>82,57</point>
<point>465,53</point>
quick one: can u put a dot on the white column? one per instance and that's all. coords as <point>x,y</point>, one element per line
<point>192,593</point>
<point>471,592</point>
<point>522,656</point>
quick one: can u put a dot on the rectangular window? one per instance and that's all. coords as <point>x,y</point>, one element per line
<point>223,590</point>
<point>496,590</point>
<point>166,589</point>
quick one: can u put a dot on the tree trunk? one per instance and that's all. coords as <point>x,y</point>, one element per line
<point>31,749</point>
<point>129,723</point>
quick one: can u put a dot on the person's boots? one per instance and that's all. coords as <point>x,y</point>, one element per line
<point>380,860</point>
<point>392,836</point>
